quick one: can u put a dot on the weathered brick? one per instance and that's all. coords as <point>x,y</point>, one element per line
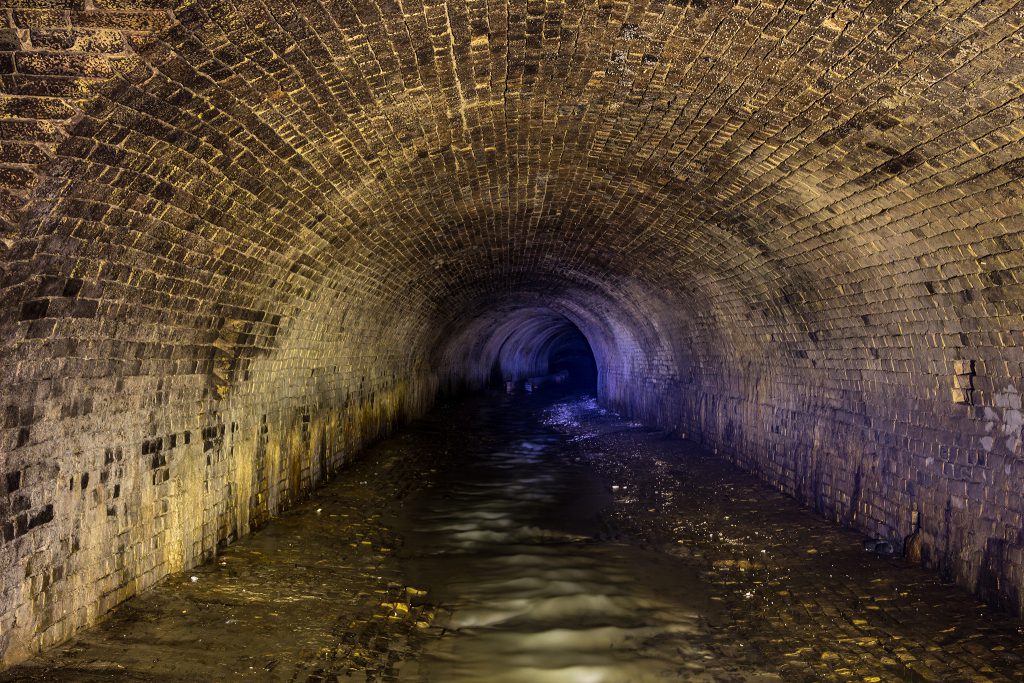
<point>37,108</point>
<point>41,18</point>
<point>19,153</point>
<point>780,231</point>
<point>138,22</point>
<point>103,41</point>
<point>62,64</point>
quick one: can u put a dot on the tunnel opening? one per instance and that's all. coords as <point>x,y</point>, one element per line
<point>530,348</point>
<point>497,378</point>
<point>572,355</point>
<point>236,251</point>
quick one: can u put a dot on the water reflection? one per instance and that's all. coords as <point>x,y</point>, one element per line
<point>531,585</point>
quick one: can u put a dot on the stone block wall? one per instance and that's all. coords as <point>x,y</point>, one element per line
<point>90,527</point>
<point>239,239</point>
<point>177,363</point>
<point>114,477</point>
<point>917,442</point>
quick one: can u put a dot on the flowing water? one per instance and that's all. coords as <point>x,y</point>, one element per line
<point>533,585</point>
<point>541,539</point>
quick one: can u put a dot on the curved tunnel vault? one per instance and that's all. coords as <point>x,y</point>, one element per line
<point>240,240</point>
<point>524,343</point>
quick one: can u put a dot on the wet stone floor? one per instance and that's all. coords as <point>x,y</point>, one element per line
<point>533,539</point>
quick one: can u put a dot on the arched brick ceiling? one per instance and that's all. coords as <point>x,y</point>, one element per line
<point>801,162</point>
<point>794,222</point>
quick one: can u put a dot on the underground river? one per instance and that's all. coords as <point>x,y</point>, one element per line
<point>540,539</point>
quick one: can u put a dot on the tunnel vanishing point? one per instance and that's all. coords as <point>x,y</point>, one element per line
<point>241,239</point>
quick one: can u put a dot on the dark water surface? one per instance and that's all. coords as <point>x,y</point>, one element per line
<point>537,539</point>
<point>513,543</point>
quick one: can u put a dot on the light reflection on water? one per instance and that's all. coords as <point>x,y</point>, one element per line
<point>511,546</point>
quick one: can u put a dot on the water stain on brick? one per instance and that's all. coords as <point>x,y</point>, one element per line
<point>776,228</point>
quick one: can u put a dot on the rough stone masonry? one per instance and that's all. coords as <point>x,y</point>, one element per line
<point>242,238</point>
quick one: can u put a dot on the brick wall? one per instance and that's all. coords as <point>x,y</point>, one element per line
<point>238,240</point>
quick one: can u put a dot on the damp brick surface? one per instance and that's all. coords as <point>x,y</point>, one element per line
<point>239,241</point>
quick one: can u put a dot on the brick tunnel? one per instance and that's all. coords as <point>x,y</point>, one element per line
<point>780,242</point>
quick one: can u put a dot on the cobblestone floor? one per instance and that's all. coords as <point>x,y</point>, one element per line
<point>529,540</point>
